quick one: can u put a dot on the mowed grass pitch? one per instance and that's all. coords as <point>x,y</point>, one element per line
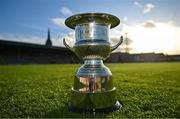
<point>144,89</point>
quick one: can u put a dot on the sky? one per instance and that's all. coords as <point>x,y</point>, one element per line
<point>150,25</point>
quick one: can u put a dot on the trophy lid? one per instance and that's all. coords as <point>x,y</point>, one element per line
<point>101,18</point>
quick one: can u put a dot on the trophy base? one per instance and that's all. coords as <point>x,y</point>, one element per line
<point>114,107</point>
<point>93,89</point>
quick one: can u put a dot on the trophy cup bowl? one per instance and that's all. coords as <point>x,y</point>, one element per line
<point>93,89</point>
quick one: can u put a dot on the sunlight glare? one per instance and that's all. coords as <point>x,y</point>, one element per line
<point>160,38</point>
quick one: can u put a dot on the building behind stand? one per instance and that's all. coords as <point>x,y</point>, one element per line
<point>27,53</point>
<point>12,52</point>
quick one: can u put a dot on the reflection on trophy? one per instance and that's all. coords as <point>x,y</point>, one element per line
<point>93,89</point>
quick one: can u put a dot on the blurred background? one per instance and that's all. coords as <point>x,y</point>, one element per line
<point>31,32</point>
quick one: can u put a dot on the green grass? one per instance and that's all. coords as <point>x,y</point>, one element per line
<point>144,89</point>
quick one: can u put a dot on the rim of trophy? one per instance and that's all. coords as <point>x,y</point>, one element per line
<point>99,18</point>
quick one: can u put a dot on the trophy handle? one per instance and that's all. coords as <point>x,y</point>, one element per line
<point>64,42</point>
<point>117,45</point>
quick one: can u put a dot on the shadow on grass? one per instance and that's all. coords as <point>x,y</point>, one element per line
<point>63,112</point>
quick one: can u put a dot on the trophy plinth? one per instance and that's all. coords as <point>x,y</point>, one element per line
<point>93,89</point>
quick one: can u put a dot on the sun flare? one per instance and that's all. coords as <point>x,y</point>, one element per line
<point>159,38</point>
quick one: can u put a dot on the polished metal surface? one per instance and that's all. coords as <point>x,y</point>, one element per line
<point>93,83</point>
<point>93,100</point>
<point>93,77</point>
<point>100,18</point>
<point>106,109</point>
<point>92,68</point>
<point>92,41</point>
<point>91,31</point>
<point>92,50</point>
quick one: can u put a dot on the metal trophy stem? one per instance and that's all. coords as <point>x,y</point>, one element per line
<point>93,89</point>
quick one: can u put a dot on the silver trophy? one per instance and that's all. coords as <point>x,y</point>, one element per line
<point>93,89</point>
